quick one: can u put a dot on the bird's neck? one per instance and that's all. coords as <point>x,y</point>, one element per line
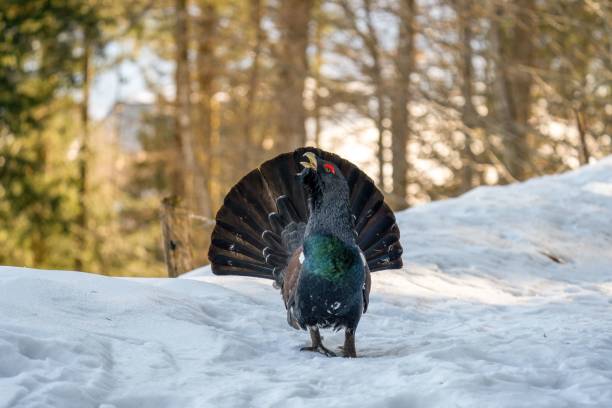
<point>332,217</point>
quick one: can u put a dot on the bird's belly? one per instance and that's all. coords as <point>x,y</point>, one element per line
<point>328,308</point>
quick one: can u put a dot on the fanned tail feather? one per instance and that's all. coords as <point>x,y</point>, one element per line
<point>262,220</point>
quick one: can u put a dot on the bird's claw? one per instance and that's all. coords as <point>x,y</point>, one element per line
<point>346,354</point>
<point>320,349</point>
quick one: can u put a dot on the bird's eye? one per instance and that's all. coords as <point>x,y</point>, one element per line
<point>329,168</point>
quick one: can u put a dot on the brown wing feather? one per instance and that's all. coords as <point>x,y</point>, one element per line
<point>292,273</point>
<point>291,276</point>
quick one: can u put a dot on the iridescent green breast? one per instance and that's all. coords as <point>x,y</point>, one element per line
<point>329,257</point>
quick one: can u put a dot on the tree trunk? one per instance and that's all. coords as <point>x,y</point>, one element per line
<point>293,19</point>
<point>207,26</point>
<point>82,217</point>
<point>176,237</point>
<point>512,51</point>
<point>370,39</point>
<point>380,128</point>
<point>191,177</point>
<point>404,65</point>
<point>39,245</point>
<point>469,116</point>
<point>585,156</point>
<point>251,97</point>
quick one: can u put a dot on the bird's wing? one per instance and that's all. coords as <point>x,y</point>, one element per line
<point>291,276</point>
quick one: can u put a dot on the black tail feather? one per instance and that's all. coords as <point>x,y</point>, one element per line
<point>263,217</point>
<point>389,260</point>
<point>276,223</point>
<point>375,230</point>
<point>286,210</point>
<point>381,246</point>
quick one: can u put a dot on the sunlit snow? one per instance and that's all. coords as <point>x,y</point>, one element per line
<point>505,300</point>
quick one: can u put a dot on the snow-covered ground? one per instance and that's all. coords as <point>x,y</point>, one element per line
<point>505,301</point>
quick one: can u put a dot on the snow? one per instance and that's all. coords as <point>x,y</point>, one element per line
<point>505,300</point>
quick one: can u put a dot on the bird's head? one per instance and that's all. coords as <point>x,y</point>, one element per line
<point>322,179</point>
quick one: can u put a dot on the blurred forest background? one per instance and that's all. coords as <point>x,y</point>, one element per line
<point>108,106</point>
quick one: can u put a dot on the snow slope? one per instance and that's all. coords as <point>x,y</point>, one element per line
<point>505,301</point>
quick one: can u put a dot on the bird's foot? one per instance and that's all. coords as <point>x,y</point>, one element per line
<point>347,354</point>
<point>348,350</point>
<point>320,349</point>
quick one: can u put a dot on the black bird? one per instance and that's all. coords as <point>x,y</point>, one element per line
<point>315,224</point>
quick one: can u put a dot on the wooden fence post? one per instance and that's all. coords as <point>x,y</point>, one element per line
<point>176,237</point>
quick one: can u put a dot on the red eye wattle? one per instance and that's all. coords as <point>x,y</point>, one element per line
<point>329,168</point>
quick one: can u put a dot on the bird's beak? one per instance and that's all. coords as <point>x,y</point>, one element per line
<point>312,161</point>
